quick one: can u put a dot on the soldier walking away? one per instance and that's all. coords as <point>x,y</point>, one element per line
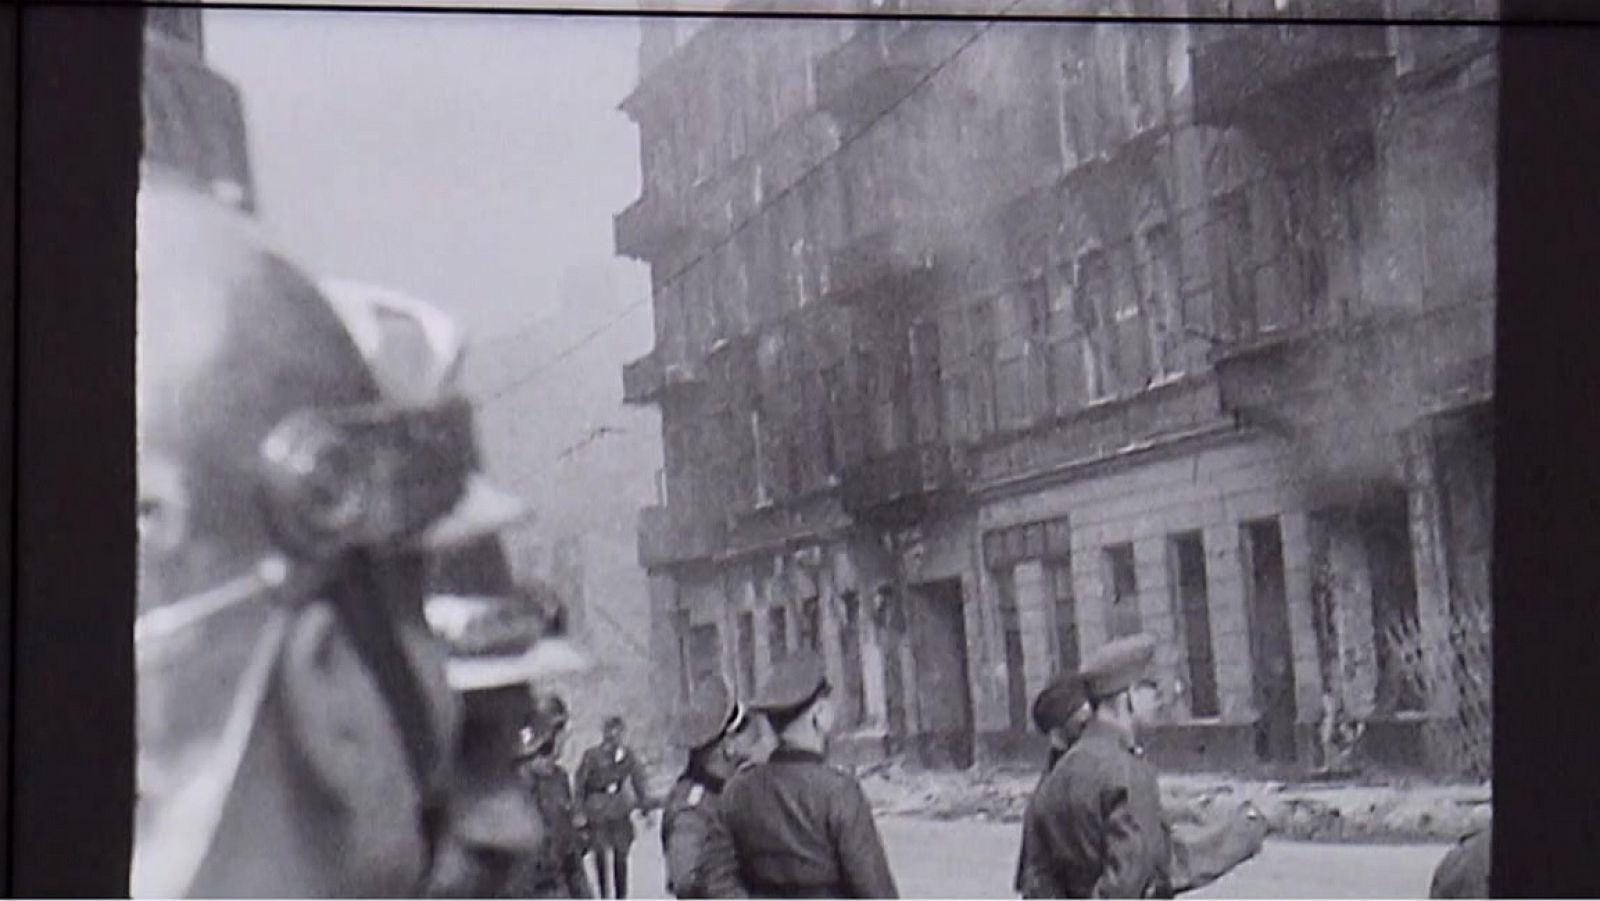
<point>1093,829</point>
<point>295,724</point>
<point>1201,852</point>
<point>557,871</point>
<point>699,858</point>
<point>799,827</point>
<point>1464,872</point>
<point>605,777</point>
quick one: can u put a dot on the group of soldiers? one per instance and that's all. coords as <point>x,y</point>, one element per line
<point>795,827</point>
<point>318,717</point>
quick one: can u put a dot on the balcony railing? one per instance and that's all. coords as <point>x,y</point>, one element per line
<point>669,536</point>
<point>1250,70</point>
<point>651,377</point>
<point>887,261</point>
<point>865,76</point>
<point>903,483</point>
<point>651,227</point>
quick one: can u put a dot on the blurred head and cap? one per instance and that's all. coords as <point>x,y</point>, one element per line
<point>499,634</point>
<point>275,607</point>
<point>711,715</point>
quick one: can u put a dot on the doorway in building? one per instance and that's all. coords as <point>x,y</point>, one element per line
<point>944,696</point>
<point>1271,654</point>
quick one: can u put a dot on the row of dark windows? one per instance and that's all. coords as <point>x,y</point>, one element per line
<point>1190,604</point>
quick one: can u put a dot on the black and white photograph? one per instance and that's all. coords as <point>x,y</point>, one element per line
<point>835,449</point>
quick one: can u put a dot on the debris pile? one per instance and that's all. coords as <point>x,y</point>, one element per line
<point>1354,811</point>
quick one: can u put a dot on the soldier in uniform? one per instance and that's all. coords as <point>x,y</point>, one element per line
<point>1464,872</point>
<point>1201,852</point>
<point>557,871</point>
<point>699,859</point>
<point>1060,711</point>
<point>799,827</point>
<point>605,775</point>
<point>1094,829</point>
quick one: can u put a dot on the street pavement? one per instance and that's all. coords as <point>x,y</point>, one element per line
<point>976,859</point>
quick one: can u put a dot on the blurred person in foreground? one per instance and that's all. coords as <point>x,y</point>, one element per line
<point>799,827</point>
<point>717,733</point>
<point>1201,852</point>
<point>295,724</point>
<point>611,783</point>
<point>502,638</point>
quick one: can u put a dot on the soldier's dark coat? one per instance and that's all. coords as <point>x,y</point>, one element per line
<point>557,872</point>
<point>1093,829</point>
<point>603,778</point>
<point>1464,872</point>
<point>803,829</point>
<point>700,860</point>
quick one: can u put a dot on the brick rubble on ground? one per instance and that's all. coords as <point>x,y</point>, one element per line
<point>1351,811</point>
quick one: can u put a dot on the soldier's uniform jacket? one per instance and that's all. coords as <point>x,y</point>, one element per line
<point>699,857</point>
<point>1093,829</point>
<point>1464,872</point>
<point>803,829</point>
<point>603,777</point>
<point>558,870</point>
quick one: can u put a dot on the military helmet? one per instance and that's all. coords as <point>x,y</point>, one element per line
<point>547,720</point>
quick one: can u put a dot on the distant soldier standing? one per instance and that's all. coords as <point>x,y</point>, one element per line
<point>799,827</point>
<point>1093,829</point>
<point>557,872</point>
<point>604,776</point>
<point>699,859</point>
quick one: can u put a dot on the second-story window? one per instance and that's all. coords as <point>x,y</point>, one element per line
<point>1092,306</point>
<point>1158,282</point>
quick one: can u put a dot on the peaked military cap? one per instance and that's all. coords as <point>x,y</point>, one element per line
<point>1058,701</point>
<point>1118,665</point>
<point>710,715</point>
<point>795,682</point>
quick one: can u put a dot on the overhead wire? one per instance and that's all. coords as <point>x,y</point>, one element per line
<point>922,82</point>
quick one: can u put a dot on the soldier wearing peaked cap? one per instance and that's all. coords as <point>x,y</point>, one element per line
<point>1201,852</point>
<point>799,827</point>
<point>1060,711</point>
<point>1093,829</point>
<point>715,731</point>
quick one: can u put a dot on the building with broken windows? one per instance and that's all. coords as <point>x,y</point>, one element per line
<point>980,343</point>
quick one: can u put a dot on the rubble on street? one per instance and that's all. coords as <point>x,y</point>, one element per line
<point>1355,810</point>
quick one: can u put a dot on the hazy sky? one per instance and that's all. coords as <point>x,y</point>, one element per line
<point>475,161</point>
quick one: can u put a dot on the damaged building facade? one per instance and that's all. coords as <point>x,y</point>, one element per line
<point>979,344</point>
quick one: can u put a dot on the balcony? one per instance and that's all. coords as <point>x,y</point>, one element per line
<point>889,261</point>
<point>651,227</point>
<point>651,378</point>
<point>669,536</point>
<point>194,121</point>
<point>902,487</point>
<point>1253,73</point>
<point>1379,373</point>
<point>865,76</point>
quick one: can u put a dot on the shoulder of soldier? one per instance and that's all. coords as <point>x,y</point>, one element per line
<point>685,793</point>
